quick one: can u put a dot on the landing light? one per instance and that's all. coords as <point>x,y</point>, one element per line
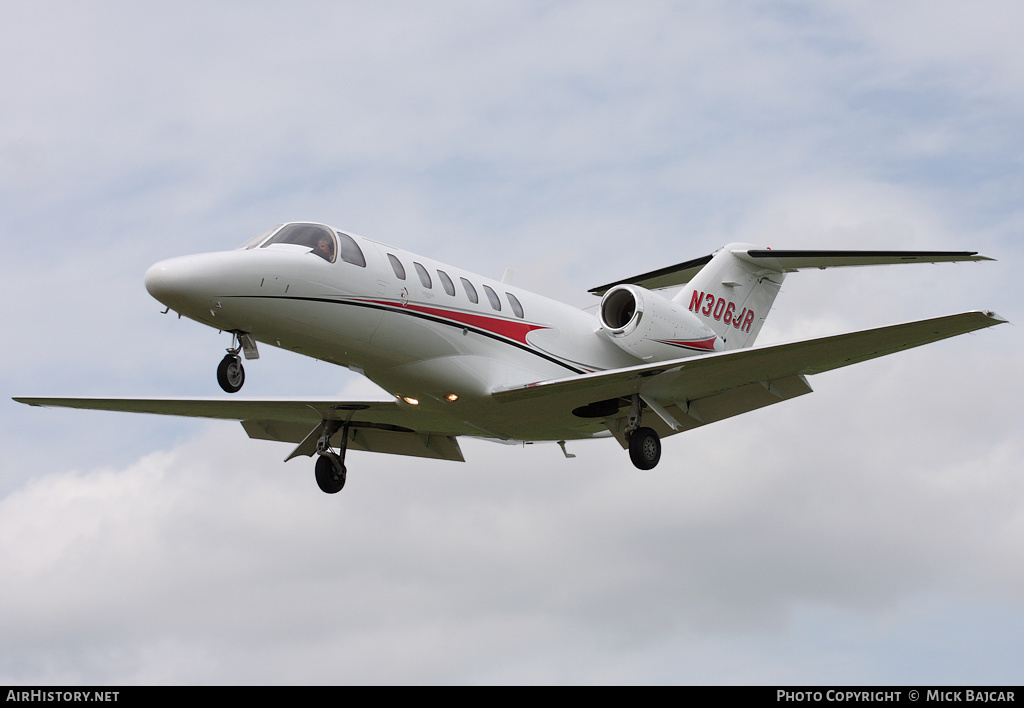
<point>451,398</point>
<point>410,401</point>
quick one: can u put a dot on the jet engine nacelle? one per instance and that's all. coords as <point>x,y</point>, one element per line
<point>650,326</point>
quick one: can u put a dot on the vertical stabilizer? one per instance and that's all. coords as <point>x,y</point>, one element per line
<point>732,296</point>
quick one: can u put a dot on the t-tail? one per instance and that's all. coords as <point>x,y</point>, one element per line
<point>733,293</point>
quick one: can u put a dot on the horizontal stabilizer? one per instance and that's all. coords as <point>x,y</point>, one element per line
<point>788,261</point>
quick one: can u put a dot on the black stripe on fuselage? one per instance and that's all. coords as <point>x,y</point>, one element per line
<point>422,315</point>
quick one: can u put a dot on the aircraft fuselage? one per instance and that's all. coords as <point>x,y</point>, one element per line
<point>421,338</point>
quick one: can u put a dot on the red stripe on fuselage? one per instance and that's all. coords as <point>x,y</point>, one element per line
<point>704,345</point>
<point>509,329</point>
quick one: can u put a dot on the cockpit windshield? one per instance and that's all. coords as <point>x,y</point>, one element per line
<point>314,236</point>
<point>323,241</point>
<point>258,238</point>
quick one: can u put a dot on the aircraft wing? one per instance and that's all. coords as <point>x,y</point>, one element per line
<point>375,425</point>
<point>788,261</point>
<point>687,393</point>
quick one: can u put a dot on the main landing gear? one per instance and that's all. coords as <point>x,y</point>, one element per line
<point>330,466</point>
<point>644,448</point>
<point>230,373</point>
<point>330,473</point>
<point>644,443</point>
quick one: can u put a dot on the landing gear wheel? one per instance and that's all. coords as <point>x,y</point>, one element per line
<point>644,448</point>
<point>330,475</point>
<point>230,374</point>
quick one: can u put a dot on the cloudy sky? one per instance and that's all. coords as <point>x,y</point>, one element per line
<point>872,532</point>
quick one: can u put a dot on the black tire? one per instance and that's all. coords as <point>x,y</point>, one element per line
<point>644,448</point>
<point>329,477</point>
<point>230,374</point>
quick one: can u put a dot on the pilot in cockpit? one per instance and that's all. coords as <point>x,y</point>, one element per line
<point>324,247</point>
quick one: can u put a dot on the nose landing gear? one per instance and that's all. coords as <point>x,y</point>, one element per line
<point>230,373</point>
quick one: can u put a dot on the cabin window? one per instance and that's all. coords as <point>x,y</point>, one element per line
<point>396,265</point>
<point>317,237</point>
<point>516,307</point>
<point>424,275</point>
<point>493,297</point>
<point>350,251</point>
<point>449,286</point>
<point>470,291</point>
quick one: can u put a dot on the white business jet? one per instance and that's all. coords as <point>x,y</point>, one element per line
<point>463,355</point>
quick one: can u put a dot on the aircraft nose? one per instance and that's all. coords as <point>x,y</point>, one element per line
<point>187,284</point>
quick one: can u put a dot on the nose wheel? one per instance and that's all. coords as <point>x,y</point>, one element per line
<point>230,373</point>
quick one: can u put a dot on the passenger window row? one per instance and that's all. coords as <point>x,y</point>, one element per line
<point>323,242</point>
<point>449,286</point>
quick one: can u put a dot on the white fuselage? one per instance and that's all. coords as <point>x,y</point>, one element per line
<point>421,338</point>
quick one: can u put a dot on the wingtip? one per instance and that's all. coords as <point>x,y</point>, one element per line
<point>996,317</point>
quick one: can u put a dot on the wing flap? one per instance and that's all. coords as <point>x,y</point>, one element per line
<point>369,437</point>
<point>678,416</point>
<point>438,447</point>
<point>742,399</point>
